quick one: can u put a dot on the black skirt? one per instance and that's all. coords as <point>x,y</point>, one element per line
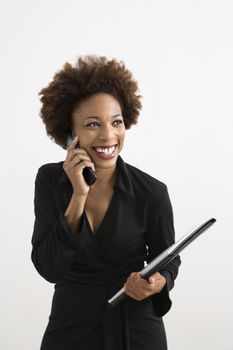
<point>81,319</point>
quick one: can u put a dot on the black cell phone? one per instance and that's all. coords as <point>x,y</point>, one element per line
<point>88,173</point>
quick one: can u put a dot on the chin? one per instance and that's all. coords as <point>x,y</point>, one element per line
<point>105,164</point>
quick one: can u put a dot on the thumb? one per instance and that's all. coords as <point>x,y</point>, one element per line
<point>151,280</point>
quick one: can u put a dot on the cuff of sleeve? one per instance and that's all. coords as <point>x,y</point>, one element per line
<point>77,240</point>
<point>169,279</point>
<point>161,301</point>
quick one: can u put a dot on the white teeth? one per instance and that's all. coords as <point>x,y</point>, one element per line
<point>105,150</point>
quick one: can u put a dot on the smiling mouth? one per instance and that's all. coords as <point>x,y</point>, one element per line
<point>105,149</point>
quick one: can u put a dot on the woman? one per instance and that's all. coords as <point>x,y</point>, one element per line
<point>90,240</point>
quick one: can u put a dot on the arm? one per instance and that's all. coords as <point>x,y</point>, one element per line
<point>57,237</point>
<point>159,236</point>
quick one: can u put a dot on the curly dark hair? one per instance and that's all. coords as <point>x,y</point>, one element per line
<point>71,85</point>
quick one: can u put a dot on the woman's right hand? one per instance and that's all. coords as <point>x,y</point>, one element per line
<point>76,160</point>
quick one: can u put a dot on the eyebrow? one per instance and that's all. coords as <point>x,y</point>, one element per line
<point>96,117</point>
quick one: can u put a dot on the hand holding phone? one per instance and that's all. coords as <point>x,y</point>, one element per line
<point>87,171</point>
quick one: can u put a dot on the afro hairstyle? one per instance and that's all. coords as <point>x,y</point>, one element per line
<point>72,85</point>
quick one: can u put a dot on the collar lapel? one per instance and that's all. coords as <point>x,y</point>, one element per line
<point>123,181</point>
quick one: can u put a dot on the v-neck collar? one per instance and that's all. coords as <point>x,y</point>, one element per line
<point>105,218</point>
<point>123,179</point>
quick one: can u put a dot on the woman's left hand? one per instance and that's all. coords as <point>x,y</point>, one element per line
<point>138,288</point>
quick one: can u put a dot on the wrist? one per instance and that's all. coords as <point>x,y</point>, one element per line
<point>79,197</point>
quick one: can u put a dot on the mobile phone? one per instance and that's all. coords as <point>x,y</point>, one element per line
<point>88,173</point>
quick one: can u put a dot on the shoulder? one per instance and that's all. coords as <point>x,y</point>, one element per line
<point>50,171</point>
<point>146,185</point>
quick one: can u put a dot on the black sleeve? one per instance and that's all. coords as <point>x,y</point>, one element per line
<point>54,246</point>
<point>159,236</point>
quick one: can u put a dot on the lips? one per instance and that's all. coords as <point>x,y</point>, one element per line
<point>105,146</point>
<point>105,149</point>
<point>105,152</point>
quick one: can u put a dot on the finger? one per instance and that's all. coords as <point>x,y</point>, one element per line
<point>86,163</point>
<point>142,291</point>
<point>138,291</point>
<point>138,286</point>
<point>142,287</point>
<point>134,276</point>
<point>77,159</point>
<point>73,152</point>
<point>131,293</point>
<point>143,284</point>
<point>155,278</point>
<point>73,143</point>
<point>81,164</point>
<point>136,282</point>
<point>70,148</point>
<point>151,280</point>
<point>132,281</point>
<point>132,287</point>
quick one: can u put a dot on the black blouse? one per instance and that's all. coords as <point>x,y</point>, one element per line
<point>137,226</point>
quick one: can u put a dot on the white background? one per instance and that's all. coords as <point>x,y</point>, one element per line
<point>181,54</point>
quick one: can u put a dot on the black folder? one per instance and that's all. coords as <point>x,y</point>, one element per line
<point>166,256</point>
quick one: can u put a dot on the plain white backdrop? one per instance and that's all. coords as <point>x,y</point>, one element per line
<point>181,54</point>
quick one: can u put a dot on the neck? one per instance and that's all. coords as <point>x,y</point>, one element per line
<point>105,177</point>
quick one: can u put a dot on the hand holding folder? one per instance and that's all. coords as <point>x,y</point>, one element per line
<point>165,257</point>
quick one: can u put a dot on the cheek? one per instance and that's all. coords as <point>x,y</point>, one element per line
<point>121,138</point>
<point>122,134</point>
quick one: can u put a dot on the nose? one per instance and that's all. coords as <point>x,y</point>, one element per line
<point>106,133</point>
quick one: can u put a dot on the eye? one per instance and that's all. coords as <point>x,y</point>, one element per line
<point>118,122</point>
<point>92,124</point>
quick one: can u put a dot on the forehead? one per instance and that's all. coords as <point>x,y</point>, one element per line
<point>99,105</point>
